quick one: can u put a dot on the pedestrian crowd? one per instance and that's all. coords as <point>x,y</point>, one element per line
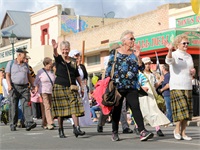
<point>59,91</point>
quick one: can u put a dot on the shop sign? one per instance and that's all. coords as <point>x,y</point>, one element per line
<point>187,21</point>
<point>9,52</point>
<point>155,41</point>
<point>194,37</point>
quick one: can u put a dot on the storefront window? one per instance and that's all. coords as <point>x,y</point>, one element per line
<point>93,60</point>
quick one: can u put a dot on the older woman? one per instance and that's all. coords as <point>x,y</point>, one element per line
<point>66,102</point>
<point>181,72</point>
<point>44,82</point>
<point>125,77</point>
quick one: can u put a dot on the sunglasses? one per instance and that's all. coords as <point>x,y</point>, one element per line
<point>132,39</point>
<point>184,43</point>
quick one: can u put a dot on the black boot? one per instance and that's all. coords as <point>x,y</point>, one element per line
<point>77,131</point>
<point>99,128</point>
<point>61,133</point>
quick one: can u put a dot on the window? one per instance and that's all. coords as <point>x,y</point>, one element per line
<point>93,60</point>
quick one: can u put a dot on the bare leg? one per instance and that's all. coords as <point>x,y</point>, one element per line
<point>75,119</point>
<point>177,128</point>
<point>183,127</point>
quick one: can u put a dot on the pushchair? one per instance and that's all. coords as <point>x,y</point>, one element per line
<point>4,110</point>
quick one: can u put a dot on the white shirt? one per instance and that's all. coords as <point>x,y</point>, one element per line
<point>180,65</point>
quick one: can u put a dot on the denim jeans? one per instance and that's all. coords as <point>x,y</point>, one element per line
<point>20,112</point>
<point>168,108</point>
<point>93,109</point>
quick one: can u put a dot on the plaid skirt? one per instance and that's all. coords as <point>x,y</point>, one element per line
<point>66,102</point>
<point>181,104</point>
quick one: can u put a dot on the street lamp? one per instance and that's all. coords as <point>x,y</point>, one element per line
<point>12,40</point>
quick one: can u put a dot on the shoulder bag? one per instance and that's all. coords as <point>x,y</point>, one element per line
<point>159,99</point>
<point>111,95</point>
<point>74,88</point>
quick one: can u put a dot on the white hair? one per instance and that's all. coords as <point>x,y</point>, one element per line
<point>124,34</point>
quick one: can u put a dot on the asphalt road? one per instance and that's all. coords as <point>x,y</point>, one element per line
<point>40,139</point>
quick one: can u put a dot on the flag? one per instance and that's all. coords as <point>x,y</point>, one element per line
<point>157,64</point>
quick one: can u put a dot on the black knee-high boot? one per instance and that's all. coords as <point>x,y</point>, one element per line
<point>77,131</point>
<point>61,133</point>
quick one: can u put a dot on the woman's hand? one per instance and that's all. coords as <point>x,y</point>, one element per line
<point>168,45</point>
<point>193,72</point>
<point>145,88</point>
<point>136,50</point>
<point>54,44</point>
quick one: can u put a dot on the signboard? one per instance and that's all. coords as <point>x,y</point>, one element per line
<point>155,41</point>
<point>194,37</point>
<point>9,52</point>
<point>187,21</point>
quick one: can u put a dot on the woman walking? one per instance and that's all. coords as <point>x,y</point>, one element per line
<point>44,82</point>
<point>66,102</point>
<point>181,72</point>
<point>127,65</point>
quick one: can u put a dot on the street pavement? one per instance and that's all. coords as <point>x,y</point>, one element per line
<point>40,139</point>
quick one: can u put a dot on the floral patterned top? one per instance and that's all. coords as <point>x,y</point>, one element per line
<point>126,70</point>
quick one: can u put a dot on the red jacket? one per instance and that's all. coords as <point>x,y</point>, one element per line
<point>100,88</point>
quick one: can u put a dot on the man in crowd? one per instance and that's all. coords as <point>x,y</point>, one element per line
<point>18,76</point>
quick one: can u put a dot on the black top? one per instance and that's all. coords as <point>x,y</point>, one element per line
<point>62,77</point>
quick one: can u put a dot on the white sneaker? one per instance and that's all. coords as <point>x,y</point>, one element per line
<point>177,136</point>
<point>187,138</point>
<point>171,125</point>
<point>34,119</point>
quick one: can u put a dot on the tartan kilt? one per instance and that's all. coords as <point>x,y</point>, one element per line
<point>181,105</point>
<point>66,102</point>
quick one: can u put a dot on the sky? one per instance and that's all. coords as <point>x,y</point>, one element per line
<point>121,8</point>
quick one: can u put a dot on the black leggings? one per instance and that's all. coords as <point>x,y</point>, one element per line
<point>133,102</point>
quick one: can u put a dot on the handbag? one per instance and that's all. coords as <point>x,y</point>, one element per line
<point>74,88</point>
<point>159,99</point>
<point>111,95</point>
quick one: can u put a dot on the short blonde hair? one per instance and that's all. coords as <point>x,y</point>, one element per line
<point>178,39</point>
<point>124,34</point>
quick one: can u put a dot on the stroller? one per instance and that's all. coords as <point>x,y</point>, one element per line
<point>4,110</point>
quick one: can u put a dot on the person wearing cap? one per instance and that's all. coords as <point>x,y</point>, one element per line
<point>181,68</point>
<point>66,102</point>
<point>35,106</point>
<point>150,110</point>
<point>18,76</point>
<point>127,65</point>
<point>86,120</point>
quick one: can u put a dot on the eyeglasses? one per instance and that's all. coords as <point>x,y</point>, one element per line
<point>184,43</point>
<point>132,39</point>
